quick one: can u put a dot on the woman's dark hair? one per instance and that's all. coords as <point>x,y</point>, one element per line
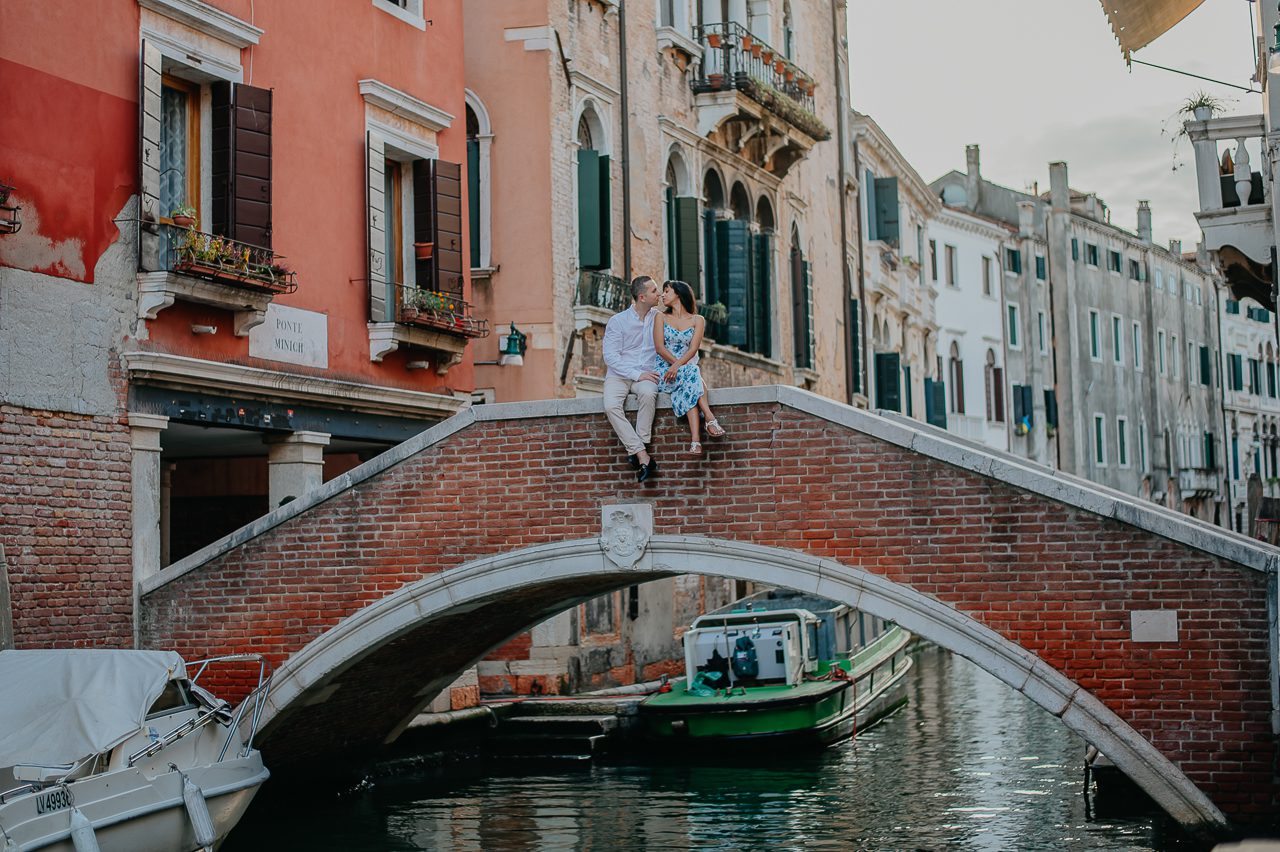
<point>685,294</point>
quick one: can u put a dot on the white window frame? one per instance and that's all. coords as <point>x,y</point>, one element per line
<point>1095,336</point>
<point>1159,279</point>
<point>1117,339</point>
<point>1099,440</point>
<point>484,137</point>
<point>411,14</point>
<point>1122,442</point>
<point>1012,320</point>
<point>1137,346</point>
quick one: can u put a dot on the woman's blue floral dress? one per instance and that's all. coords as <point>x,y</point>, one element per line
<point>687,389</point>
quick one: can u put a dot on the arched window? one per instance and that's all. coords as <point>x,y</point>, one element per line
<point>788,31</point>
<point>957,380</point>
<point>995,389</point>
<point>479,195</point>
<point>594,199</point>
<point>680,222</point>
<point>801,303</point>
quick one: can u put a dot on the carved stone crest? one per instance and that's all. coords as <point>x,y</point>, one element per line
<point>625,533</point>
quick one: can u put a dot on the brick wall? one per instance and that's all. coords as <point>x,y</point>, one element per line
<point>65,526</point>
<point>1058,580</point>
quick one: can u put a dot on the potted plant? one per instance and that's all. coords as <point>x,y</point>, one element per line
<point>746,41</point>
<point>184,216</point>
<point>791,74</point>
<point>779,65</point>
<point>767,56</point>
<point>713,40</point>
<point>757,49</point>
<point>715,81</point>
<point>1202,106</point>
<point>423,251</point>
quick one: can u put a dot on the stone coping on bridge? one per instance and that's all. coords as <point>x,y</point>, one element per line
<point>886,426</point>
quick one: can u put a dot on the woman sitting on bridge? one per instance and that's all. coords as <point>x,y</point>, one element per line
<point>677,334</point>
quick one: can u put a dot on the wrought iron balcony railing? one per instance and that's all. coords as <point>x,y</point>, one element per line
<point>433,309</point>
<point>734,59</point>
<point>602,290</point>
<point>227,261</point>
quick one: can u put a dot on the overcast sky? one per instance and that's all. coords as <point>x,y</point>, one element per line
<point>1033,81</point>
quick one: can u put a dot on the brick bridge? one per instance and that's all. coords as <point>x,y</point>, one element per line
<point>1146,632</point>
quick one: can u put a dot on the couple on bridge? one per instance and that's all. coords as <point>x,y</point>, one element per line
<point>648,349</point>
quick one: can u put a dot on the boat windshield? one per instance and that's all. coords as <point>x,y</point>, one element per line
<point>175,697</point>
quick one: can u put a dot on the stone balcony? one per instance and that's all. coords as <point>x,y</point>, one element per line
<point>1235,200</point>
<point>1198,482</point>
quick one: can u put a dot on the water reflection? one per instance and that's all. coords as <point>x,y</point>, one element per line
<point>967,765</point>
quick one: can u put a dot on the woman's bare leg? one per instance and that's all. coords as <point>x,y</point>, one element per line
<point>692,415</point>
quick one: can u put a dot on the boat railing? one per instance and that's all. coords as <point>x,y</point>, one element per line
<point>257,699</point>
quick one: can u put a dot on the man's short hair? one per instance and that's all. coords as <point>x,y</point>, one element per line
<point>638,284</point>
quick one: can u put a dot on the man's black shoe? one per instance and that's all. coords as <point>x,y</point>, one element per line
<point>646,471</point>
<point>635,461</point>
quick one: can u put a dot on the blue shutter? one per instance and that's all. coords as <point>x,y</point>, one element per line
<point>734,247</point>
<point>887,210</point>
<point>888,381</point>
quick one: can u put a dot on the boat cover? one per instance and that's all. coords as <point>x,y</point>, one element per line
<point>58,706</point>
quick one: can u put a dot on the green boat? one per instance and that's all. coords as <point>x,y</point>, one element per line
<point>781,669</point>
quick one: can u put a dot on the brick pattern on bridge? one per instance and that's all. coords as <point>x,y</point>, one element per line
<point>1055,579</point>
<point>66,526</point>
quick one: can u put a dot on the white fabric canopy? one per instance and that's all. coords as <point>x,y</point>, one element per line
<point>57,706</point>
<point>1137,23</point>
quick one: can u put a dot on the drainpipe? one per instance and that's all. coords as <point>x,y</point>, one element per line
<point>626,141</point>
<point>842,178</point>
<point>862,280</point>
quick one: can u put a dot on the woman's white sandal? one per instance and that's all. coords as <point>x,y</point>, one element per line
<point>714,429</point>
<point>695,449</point>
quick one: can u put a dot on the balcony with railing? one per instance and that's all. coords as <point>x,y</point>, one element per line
<point>437,322</point>
<point>743,84</point>
<point>210,269</point>
<point>1198,482</point>
<point>1235,199</point>
<point>598,296</point>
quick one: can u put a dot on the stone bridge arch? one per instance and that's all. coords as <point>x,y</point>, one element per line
<point>1061,568</point>
<point>354,658</point>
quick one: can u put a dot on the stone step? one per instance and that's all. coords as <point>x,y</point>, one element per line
<point>547,747</point>
<point>575,707</point>
<point>521,726</point>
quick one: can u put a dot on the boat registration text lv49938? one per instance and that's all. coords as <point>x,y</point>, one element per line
<point>54,800</point>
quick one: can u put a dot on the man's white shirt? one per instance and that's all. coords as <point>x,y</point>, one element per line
<point>628,344</point>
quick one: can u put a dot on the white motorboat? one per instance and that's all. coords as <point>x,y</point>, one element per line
<point>121,751</point>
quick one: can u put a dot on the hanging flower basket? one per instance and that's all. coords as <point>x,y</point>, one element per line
<point>423,251</point>
<point>757,49</point>
<point>767,56</point>
<point>779,65</point>
<point>713,40</point>
<point>791,74</point>
<point>746,42</point>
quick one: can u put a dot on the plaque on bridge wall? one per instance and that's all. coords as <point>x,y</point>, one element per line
<point>293,336</point>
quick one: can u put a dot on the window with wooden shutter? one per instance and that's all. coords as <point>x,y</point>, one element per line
<point>473,199</point>
<point>381,295</point>
<point>935,403</point>
<point>801,315</point>
<point>869,191</point>
<point>1051,407</point>
<point>886,199</point>
<point>712,293</point>
<point>590,252</point>
<point>855,343</point>
<point>1028,405</point>
<point>149,98</point>
<point>888,381</point>
<point>241,117</point>
<point>733,239</point>
<point>908,398</point>
<point>669,229</point>
<point>759,313</point>
<point>686,268</point>
<point>1204,366</point>
<point>437,218</point>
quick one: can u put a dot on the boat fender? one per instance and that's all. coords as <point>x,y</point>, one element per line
<point>198,811</point>
<point>82,836</point>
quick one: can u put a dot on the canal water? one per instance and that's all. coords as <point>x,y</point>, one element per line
<point>968,764</point>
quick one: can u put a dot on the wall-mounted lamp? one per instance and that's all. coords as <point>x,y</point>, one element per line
<point>511,353</point>
<point>204,329</point>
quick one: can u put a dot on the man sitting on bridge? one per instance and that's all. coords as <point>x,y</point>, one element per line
<point>629,355</point>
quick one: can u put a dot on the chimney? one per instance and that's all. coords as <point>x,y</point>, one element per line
<point>1091,206</point>
<point>973,176</point>
<point>1175,248</point>
<point>1144,221</point>
<point>1059,194</point>
<point>1026,217</point>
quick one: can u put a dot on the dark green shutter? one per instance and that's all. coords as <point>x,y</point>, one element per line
<point>1040,273</point>
<point>758,312</point>
<point>855,340</point>
<point>1075,249</point>
<point>908,396</point>
<point>473,198</point>
<point>801,315</point>
<point>710,251</point>
<point>888,381</point>
<point>1204,365</point>
<point>606,210</point>
<point>673,237</point>
<point>686,268</point>
<point>1051,407</point>
<point>1019,404</point>
<point>887,210</point>
<point>935,403</point>
<point>589,249</point>
<point>869,188</point>
<point>733,245</point>
<point>1210,451</point>
<point>1028,406</point>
